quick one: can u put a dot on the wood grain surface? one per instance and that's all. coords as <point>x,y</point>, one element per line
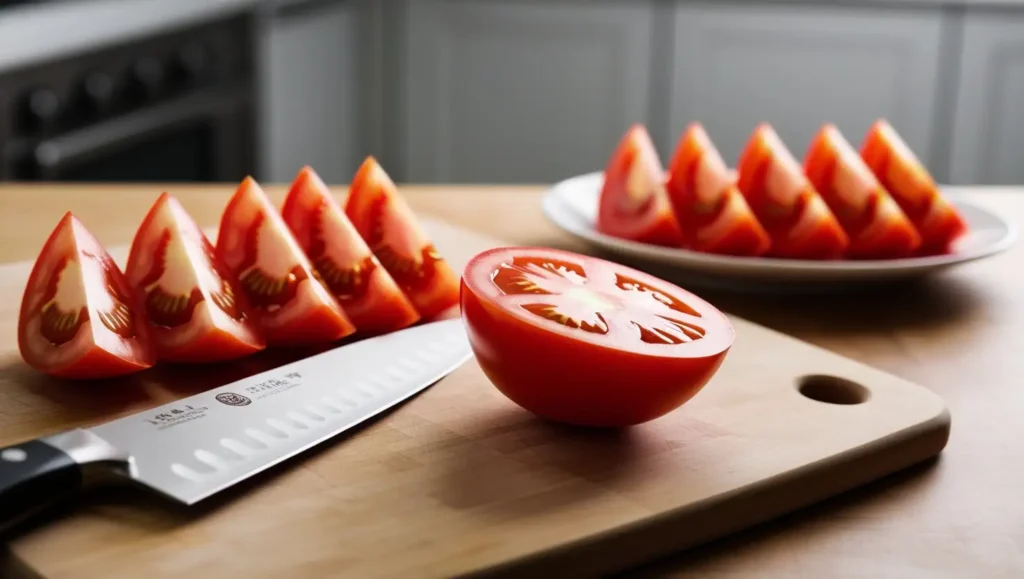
<point>955,333</point>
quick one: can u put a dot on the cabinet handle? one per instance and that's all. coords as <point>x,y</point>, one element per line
<point>285,9</point>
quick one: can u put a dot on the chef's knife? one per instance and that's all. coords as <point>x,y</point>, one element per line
<point>194,447</point>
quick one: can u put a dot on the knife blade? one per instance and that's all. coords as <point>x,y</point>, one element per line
<point>192,448</point>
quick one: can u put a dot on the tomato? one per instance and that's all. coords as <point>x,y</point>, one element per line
<point>906,178</point>
<point>633,202</point>
<point>711,211</point>
<point>799,222</point>
<point>193,308</point>
<point>585,341</point>
<point>384,220</point>
<point>79,318</point>
<point>289,302</point>
<point>877,227</point>
<point>367,293</point>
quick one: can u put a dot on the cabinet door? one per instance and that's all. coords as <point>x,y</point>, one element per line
<point>988,140</point>
<point>797,66</point>
<point>509,91</point>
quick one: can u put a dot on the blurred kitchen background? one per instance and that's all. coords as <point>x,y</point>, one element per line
<point>495,91</point>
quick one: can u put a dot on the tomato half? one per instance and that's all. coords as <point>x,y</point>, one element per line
<point>289,302</point>
<point>633,203</point>
<point>367,293</point>
<point>79,318</point>
<point>877,227</point>
<point>912,186</point>
<point>193,307</point>
<point>387,224</point>
<point>709,207</point>
<point>799,222</point>
<point>586,341</point>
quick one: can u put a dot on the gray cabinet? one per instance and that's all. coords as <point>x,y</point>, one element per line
<point>988,136</point>
<point>801,64</point>
<point>512,91</point>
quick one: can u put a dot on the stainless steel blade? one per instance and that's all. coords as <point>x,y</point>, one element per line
<point>197,446</point>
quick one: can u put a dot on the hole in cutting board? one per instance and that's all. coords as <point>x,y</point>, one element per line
<point>832,389</point>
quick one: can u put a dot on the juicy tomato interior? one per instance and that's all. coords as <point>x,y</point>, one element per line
<point>289,302</point>
<point>900,171</point>
<point>875,224</point>
<point>368,294</point>
<point>384,220</point>
<point>191,302</point>
<point>711,210</point>
<point>633,203</point>
<point>586,341</point>
<point>79,318</point>
<point>785,202</point>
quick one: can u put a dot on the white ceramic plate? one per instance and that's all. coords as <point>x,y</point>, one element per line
<point>572,205</point>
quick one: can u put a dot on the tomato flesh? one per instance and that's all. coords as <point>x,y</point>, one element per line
<point>79,319</point>
<point>368,294</point>
<point>797,219</point>
<point>387,224</point>
<point>875,224</point>
<point>289,302</point>
<point>912,186</point>
<point>585,341</point>
<point>633,203</point>
<point>711,210</point>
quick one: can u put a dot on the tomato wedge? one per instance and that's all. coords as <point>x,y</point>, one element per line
<point>586,341</point>
<point>710,208</point>
<point>912,186</point>
<point>877,227</point>
<point>79,319</point>
<point>194,310</point>
<point>633,203</point>
<point>799,222</point>
<point>384,220</point>
<point>289,302</point>
<point>368,294</point>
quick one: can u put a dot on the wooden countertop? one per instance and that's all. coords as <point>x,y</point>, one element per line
<point>958,334</point>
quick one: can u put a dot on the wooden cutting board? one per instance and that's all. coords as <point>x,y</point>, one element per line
<point>461,481</point>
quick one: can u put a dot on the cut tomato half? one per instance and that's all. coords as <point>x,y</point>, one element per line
<point>367,293</point>
<point>387,224</point>
<point>79,319</point>
<point>193,305</point>
<point>799,222</point>
<point>709,207</point>
<point>289,302</point>
<point>633,203</point>
<point>586,341</point>
<point>875,224</point>
<point>912,186</point>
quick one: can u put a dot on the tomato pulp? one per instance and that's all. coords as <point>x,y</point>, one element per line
<point>585,341</point>
<point>79,318</point>
<point>368,294</point>
<point>193,306</point>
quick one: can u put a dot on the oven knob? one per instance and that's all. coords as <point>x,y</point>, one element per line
<point>190,62</point>
<point>147,78</point>
<point>97,92</point>
<point>40,108</point>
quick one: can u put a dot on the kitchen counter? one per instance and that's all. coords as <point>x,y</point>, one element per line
<point>958,334</point>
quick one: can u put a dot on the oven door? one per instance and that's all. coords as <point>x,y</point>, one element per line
<point>200,137</point>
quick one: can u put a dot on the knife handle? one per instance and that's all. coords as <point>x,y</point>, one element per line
<point>37,474</point>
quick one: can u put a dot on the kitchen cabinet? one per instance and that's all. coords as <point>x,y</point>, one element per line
<point>988,136</point>
<point>798,65</point>
<point>510,91</point>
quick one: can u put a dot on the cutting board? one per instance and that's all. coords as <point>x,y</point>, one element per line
<point>460,481</point>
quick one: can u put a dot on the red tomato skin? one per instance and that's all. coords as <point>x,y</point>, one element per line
<point>900,171</point>
<point>384,220</point>
<point>874,222</point>
<point>652,221</point>
<point>209,341</point>
<point>797,219</point>
<point>379,306</point>
<point>711,210</point>
<point>118,355</point>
